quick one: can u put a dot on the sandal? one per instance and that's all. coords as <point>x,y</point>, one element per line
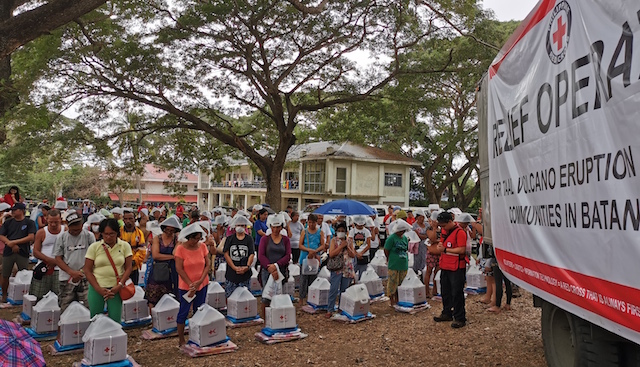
<point>494,309</point>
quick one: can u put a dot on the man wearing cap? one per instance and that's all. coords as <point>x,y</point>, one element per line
<point>452,247</point>
<point>361,239</point>
<point>17,234</point>
<point>117,213</point>
<point>45,274</point>
<point>135,238</point>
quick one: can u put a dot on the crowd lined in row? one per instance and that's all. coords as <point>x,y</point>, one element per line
<point>92,260</point>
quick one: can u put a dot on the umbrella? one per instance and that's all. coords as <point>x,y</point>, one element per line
<point>17,347</point>
<point>345,207</point>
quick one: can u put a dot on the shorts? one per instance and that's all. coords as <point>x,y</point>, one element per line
<point>48,283</point>
<point>395,279</point>
<point>70,293</point>
<point>433,260</point>
<point>14,259</point>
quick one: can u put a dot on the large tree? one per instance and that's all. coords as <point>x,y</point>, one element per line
<point>210,66</point>
<point>430,117</point>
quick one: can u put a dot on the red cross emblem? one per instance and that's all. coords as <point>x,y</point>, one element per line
<point>212,332</point>
<point>76,332</point>
<point>246,308</point>
<point>107,350</point>
<point>170,318</point>
<point>559,34</point>
<point>49,321</point>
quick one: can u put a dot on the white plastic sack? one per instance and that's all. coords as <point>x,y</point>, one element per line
<point>138,295</point>
<point>410,277</point>
<point>101,325</point>
<point>167,302</point>
<point>23,277</point>
<point>324,273</point>
<point>48,303</point>
<point>76,312</point>
<point>273,287</point>
<point>310,266</point>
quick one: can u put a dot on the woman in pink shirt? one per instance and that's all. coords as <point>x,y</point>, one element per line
<point>192,265</point>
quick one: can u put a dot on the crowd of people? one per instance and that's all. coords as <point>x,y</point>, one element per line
<point>91,257</point>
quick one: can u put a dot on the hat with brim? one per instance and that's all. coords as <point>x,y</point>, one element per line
<point>239,220</point>
<point>191,229</point>
<point>4,207</point>
<point>73,218</point>
<point>220,220</point>
<point>19,206</point>
<point>145,211</point>
<point>464,218</point>
<point>277,220</point>
<point>205,224</point>
<point>154,227</point>
<point>420,212</point>
<point>359,220</point>
<point>117,210</point>
<point>206,214</point>
<point>399,225</point>
<point>155,210</point>
<point>370,222</point>
<point>286,216</point>
<point>127,210</point>
<point>96,218</point>
<point>172,222</point>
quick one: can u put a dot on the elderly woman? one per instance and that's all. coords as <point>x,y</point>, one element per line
<point>105,282</point>
<point>163,277</point>
<point>395,249</point>
<point>192,265</point>
<point>274,249</point>
<point>342,277</point>
<point>239,252</point>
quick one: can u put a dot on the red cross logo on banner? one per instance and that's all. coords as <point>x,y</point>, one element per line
<point>559,34</point>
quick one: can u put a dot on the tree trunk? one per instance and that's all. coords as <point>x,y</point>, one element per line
<point>274,188</point>
<point>8,97</point>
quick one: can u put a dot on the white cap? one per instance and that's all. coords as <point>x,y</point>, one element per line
<point>206,214</point>
<point>359,220</point>
<point>95,218</point>
<point>257,207</point>
<point>4,206</point>
<point>117,210</point>
<point>275,220</point>
<point>172,221</point>
<point>399,225</point>
<point>239,220</point>
<point>464,218</point>
<point>145,211</point>
<point>205,224</point>
<point>220,219</point>
<point>370,222</point>
<point>191,229</point>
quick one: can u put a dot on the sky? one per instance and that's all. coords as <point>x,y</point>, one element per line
<point>510,9</point>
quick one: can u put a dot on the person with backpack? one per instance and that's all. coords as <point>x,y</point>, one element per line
<point>452,247</point>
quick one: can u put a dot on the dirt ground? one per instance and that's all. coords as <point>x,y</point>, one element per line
<point>511,338</point>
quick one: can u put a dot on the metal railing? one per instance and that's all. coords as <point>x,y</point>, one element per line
<point>291,185</point>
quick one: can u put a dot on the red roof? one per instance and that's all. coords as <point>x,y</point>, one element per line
<point>155,198</point>
<point>153,173</point>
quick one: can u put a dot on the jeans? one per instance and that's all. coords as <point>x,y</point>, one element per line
<point>183,313</point>
<point>452,291</point>
<point>499,277</point>
<point>339,284</point>
<point>229,287</point>
<point>305,282</point>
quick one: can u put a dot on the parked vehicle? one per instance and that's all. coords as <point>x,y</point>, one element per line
<point>558,129</point>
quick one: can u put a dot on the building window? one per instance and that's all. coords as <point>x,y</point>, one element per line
<point>393,179</point>
<point>314,177</point>
<point>341,180</point>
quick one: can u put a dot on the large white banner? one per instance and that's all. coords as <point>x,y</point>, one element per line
<point>564,153</point>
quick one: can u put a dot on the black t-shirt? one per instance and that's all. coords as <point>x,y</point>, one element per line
<point>15,230</point>
<point>239,251</point>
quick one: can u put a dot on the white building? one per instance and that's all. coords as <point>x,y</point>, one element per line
<point>153,188</point>
<point>316,173</point>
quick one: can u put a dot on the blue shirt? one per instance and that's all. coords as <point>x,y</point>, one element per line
<point>260,225</point>
<point>311,241</point>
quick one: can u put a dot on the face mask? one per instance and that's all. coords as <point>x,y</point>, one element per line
<point>239,229</point>
<point>341,235</point>
<point>95,228</point>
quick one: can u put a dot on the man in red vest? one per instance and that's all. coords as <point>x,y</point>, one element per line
<point>452,247</point>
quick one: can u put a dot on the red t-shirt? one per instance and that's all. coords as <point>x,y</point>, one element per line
<point>194,262</point>
<point>179,211</point>
<point>9,199</point>
<point>458,238</point>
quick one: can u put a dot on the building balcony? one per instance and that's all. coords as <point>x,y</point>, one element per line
<point>287,185</point>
